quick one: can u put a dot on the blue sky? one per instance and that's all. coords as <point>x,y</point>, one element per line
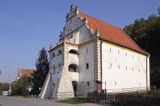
<point>28,25</point>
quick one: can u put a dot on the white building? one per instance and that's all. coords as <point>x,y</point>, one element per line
<point>92,55</point>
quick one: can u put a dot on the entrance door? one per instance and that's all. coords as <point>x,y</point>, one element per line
<point>74,84</point>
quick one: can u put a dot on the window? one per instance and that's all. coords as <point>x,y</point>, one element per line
<point>53,69</point>
<point>132,69</point>
<point>115,83</point>
<point>126,53</point>
<point>86,50</point>
<point>87,83</point>
<point>110,65</point>
<point>73,51</point>
<point>87,66</point>
<point>118,52</point>
<point>59,67</point>
<point>119,67</point>
<point>139,70</point>
<point>72,67</point>
<point>110,49</point>
<point>52,55</point>
<point>59,52</point>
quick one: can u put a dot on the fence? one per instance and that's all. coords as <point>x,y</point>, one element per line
<point>109,95</point>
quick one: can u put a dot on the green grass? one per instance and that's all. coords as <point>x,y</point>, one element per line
<point>74,100</point>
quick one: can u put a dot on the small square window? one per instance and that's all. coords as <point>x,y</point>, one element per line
<point>87,66</point>
<point>118,52</point>
<point>126,53</point>
<point>115,83</point>
<point>110,49</point>
<point>132,69</point>
<point>139,70</point>
<point>119,67</point>
<point>110,66</point>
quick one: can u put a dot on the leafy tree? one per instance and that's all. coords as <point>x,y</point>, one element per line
<point>42,68</point>
<point>4,87</point>
<point>21,86</point>
<point>146,33</point>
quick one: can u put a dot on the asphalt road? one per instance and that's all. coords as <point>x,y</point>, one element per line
<point>19,101</point>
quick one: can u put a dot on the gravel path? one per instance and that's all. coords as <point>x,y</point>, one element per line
<point>19,101</point>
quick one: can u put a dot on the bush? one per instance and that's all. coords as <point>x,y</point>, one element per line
<point>151,98</point>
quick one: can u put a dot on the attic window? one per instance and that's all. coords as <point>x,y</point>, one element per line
<point>73,51</point>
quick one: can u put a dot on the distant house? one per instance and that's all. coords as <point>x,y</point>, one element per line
<point>22,72</point>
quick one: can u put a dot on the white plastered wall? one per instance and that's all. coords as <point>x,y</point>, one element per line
<point>87,56</point>
<point>123,69</point>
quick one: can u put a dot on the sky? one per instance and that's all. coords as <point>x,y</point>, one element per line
<point>28,25</point>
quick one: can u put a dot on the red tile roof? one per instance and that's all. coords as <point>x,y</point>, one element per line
<point>111,33</point>
<point>25,72</point>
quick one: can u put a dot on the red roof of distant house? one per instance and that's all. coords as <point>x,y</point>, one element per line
<point>25,72</point>
<point>111,33</point>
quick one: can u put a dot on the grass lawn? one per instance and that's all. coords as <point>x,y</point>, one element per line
<point>74,100</point>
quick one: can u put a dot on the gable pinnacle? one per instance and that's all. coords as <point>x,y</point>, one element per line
<point>71,8</point>
<point>76,9</point>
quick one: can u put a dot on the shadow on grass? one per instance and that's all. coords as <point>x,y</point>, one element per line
<point>74,101</point>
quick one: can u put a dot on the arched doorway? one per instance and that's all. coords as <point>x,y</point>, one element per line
<point>75,87</point>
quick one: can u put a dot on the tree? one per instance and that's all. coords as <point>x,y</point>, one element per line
<point>146,33</point>
<point>21,86</point>
<point>42,68</point>
<point>4,87</point>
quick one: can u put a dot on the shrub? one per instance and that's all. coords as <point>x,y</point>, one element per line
<point>151,98</point>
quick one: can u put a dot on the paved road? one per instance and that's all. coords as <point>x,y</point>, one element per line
<point>18,101</point>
